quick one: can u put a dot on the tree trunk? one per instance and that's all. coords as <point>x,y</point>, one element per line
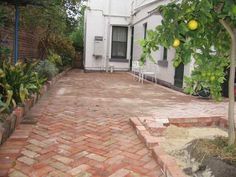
<point>231,121</point>
<point>231,91</point>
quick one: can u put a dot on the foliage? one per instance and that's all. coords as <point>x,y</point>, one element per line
<point>46,69</point>
<point>55,59</point>
<point>78,39</point>
<point>55,16</point>
<point>67,61</point>
<point>217,147</point>
<point>4,52</point>
<point>2,16</point>
<point>59,45</point>
<point>209,44</point>
<point>77,36</point>
<point>17,83</point>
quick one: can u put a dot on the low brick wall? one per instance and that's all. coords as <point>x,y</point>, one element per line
<point>216,121</point>
<point>168,164</point>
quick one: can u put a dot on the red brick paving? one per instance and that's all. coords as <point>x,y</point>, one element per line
<point>83,130</point>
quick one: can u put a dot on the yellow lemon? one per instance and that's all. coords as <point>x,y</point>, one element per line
<point>176,43</point>
<point>192,24</point>
<point>176,64</point>
<point>213,78</point>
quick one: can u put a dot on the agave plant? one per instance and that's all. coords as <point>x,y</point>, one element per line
<point>17,83</point>
<point>5,95</point>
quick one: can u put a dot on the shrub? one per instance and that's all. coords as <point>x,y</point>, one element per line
<point>46,69</point>
<point>57,44</point>
<point>4,53</point>
<point>67,61</point>
<point>77,38</point>
<point>56,60</point>
<point>77,35</point>
<point>17,83</point>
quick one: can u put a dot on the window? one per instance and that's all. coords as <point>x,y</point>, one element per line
<point>165,52</point>
<point>145,30</point>
<point>119,42</point>
<point>163,62</point>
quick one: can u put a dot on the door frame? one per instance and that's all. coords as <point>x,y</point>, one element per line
<point>131,48</point>
<point>179,76</point>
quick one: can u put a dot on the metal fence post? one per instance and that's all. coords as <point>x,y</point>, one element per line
<point>16,42</point>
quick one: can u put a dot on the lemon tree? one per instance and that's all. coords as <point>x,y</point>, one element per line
<point>206,30</point>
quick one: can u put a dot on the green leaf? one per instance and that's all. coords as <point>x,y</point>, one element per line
<point>23,93</point>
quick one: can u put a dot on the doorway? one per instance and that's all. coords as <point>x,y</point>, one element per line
<point>179,76</point>
<point>131,49</point>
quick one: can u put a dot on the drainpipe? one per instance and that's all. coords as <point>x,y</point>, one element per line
<point>108,35</point>
<point>16,45</point>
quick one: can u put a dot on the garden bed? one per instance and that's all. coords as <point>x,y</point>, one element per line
<point>212,156</point>
<point>8,122</point>
<point>199,151</point>
<point>180,145</point>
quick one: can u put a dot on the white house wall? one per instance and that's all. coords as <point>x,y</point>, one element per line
<point>121,7</point>
<point>100,17</point>
<point>91,32</point>
<point>103,14</point>
<point>142,16</point>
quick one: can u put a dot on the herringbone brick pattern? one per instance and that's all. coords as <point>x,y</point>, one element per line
<point>81,131</point>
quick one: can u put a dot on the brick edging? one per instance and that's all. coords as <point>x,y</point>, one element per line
<point>213,121</point>
<point>167,163</point>
<point>15,118</point>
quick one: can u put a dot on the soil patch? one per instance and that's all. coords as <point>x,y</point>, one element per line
<point>201,152</point>
<point>178,138</point>
<point>214,154</point>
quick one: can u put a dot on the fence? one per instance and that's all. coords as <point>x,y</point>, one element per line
<point>28,42</point>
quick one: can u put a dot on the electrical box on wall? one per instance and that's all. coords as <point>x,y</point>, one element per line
<point>98,46</point>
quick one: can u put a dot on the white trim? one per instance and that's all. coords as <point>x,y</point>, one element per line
<point>109,15</point>
<point>136,10</point>
<point>144,18</point>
